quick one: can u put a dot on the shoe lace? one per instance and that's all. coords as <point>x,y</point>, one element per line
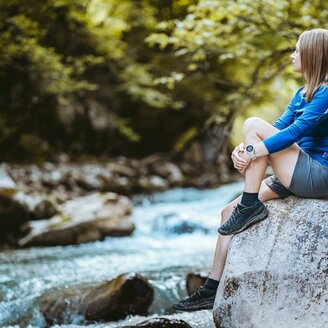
<point>235,213</point>
<point>198,290</point>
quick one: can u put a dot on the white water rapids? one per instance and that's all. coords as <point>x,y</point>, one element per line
<point>176,234</point>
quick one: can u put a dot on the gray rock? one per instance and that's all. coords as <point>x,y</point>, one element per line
<point>206,180</point>
<point>188,169</point>
<point>127,294</point>
<point>44,209</point>
<point>276,271</point>
<point>83,219</point>
<point>121,170</point>
<point>168,171</point>
<point>112,300</point>
<point>151,183</point>
<point>157,183</point>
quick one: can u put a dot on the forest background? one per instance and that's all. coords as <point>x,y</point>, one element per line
<point>109,78</point>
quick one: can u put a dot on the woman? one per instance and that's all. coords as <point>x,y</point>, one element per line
<point>296,146</point>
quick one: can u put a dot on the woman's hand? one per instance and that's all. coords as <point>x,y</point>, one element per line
<point>240,159</point>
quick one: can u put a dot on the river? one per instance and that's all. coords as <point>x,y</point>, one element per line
<point>176,234</point>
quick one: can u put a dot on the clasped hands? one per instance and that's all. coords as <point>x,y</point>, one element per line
<point>240,158</point>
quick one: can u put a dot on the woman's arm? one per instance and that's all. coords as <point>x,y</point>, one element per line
<point>315,112</point>
<point>241,159</point>
<point>283,122</point>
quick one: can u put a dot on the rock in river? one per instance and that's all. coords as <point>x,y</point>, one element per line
<point>112,300</point>
<point>81,220</point>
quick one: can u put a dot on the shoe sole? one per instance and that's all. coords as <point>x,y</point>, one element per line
<point>205,306</point>
<point>257,218</point>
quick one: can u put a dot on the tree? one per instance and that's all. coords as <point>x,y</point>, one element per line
<point>237,53</point>
<point>134,77</point>
<point>66,70</point>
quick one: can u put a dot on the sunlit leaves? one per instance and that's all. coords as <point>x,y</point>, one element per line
<point>139,84</point>
<point>125,129</point>
<point>242,42</point>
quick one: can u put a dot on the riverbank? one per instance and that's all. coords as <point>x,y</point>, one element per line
<point>33,193</point>
<point>123,175</point>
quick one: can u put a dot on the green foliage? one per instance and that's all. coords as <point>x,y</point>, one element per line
<point>124,76</point>
<point>185,138</point>
<point>50,52</point>
<point>239,50</point>
<point>125,129</point>
<point>139,84</point>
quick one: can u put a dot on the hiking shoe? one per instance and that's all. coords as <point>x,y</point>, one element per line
<point>201,299</point>
<point>244,216</point>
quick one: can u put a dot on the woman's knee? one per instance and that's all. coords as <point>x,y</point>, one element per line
<point>252,124</point>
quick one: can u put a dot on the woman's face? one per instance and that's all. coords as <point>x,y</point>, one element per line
<point>296,57</point>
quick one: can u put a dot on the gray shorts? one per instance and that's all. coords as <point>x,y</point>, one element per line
<point>310,179</point>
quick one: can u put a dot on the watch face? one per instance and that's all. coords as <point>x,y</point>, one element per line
<point>249,148</point>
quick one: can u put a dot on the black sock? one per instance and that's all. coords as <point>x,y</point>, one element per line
<point>211,284</point>
<point>249,198</point>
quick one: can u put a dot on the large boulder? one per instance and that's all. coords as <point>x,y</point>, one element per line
<point>81,220</point>
<point>277,271</point>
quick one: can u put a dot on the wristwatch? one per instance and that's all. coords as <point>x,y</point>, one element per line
<point>250,150</point>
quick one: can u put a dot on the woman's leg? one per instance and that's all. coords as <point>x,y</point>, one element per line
<point>223,242</point>
<point>282,162</point>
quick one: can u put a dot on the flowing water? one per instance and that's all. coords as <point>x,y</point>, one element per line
<point>176,234</point>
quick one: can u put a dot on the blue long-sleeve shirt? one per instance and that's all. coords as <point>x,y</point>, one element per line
<point>305,123</point>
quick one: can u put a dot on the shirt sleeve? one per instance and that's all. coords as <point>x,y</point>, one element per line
<point>314,113</point>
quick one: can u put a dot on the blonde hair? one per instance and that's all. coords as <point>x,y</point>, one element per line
<point>313,46</point>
